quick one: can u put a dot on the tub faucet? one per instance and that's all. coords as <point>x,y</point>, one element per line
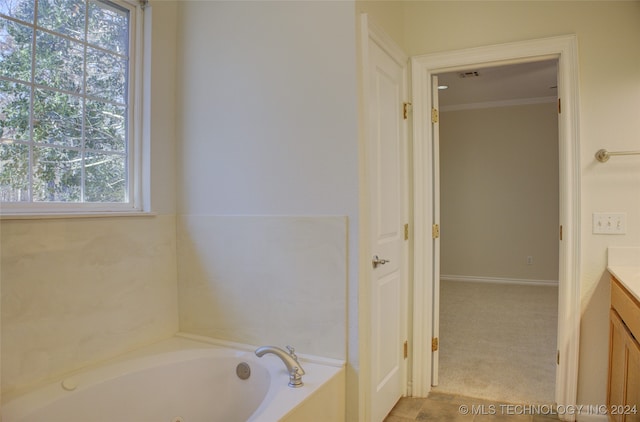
<point>290,360</point>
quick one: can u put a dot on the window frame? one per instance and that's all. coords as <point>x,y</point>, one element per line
<point>136,165</point>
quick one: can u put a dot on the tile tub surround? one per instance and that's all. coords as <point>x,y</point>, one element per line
<point>78,291</point>
<point>265,280</point>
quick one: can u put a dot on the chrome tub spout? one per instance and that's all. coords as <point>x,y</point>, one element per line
<point>289,359</point>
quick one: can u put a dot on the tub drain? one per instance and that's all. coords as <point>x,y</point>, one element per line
<point>243,371</point>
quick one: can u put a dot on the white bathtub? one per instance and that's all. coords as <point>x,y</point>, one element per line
<point>184,380</point>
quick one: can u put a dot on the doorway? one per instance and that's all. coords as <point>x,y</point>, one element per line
<point>427,243</point>
<point>498,165</point>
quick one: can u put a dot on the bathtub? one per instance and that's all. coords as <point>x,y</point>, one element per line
<point>187,379</point>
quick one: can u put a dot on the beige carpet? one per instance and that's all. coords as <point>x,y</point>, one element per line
<point>498,341</point>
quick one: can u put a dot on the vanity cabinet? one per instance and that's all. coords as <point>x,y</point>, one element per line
<point>623,391</point>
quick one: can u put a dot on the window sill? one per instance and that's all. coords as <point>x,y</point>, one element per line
<point>65,215</point>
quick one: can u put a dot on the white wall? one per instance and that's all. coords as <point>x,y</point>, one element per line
<point>499,192</point>
<point>609,104</point>
<point>267,108</point>
<point>268,134</point>
<point>79,290</point>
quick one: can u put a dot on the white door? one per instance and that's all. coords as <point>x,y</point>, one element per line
<point>387,192</point>
<point>435,231</point>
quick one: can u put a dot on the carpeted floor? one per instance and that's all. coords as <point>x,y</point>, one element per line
<point>498,341</point>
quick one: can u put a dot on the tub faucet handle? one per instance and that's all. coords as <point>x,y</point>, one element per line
<point>292,352</point>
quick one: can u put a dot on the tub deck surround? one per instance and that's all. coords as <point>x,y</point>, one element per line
<point>183,376</point>
<point>265,280</point>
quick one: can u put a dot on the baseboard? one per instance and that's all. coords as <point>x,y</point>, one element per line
<point>499,280</point>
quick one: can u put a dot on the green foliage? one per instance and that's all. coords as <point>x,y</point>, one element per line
<point>58,142</point>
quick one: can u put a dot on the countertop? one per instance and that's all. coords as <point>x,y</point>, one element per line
<point>629,277</point>
<point>624,265</point>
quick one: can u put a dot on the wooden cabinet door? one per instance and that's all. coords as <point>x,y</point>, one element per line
<point>623,393</point>
<point>633,381</point>
<point>617,363</point>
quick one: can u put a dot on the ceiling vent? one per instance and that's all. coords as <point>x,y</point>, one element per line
<point>471,74</point>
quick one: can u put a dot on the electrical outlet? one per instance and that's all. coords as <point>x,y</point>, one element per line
<point>609,223</point>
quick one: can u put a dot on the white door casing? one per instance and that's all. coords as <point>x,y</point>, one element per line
<point>564,49</point>
<point>386,74</point>
<point>435,136</point>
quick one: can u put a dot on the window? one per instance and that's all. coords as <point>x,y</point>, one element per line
<point>67,105</point>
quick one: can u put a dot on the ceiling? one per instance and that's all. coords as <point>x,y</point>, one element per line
<point>515,82</point>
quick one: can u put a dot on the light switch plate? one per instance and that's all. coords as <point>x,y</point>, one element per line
<point>609,223</point>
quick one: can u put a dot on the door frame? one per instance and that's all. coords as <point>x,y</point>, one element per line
<point>564,49</point>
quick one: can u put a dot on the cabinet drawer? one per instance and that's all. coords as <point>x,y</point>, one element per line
<point>627,307</point>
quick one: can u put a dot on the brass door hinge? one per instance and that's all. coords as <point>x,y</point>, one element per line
<point>406,232</point>
<point>406,349</point>
<point>558,358</point>
<point>435,231</point>
<point>559,106</point>
<point>434,344</point>
<point>560,232</point>
<point>406,109</point>
<point>434,115</point>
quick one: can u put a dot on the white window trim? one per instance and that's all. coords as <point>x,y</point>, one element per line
<point>138,148</point>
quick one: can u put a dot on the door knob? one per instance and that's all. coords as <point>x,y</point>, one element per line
<point>377,261</point>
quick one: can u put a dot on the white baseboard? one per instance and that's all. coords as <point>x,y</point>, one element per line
<point>499,280</point>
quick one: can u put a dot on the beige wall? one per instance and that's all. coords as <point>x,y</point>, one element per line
<point>388,15</point>
<point>267,113</point>
<point>499,192</point>
<point>79,290</point>
<point>267,134</point>
<point>609,104</point>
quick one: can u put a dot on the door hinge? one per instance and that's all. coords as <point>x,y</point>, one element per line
<point>434,344</point>
<point>406,109</point>
<point>560,232</point>
<point>558,358</point>
<point>406,349</point>
<point>435,231</point>
<point>406,232</point>
<point>559,106</point>
<point>434,115</point>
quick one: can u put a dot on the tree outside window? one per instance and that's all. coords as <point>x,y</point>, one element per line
<point>64,101</point>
